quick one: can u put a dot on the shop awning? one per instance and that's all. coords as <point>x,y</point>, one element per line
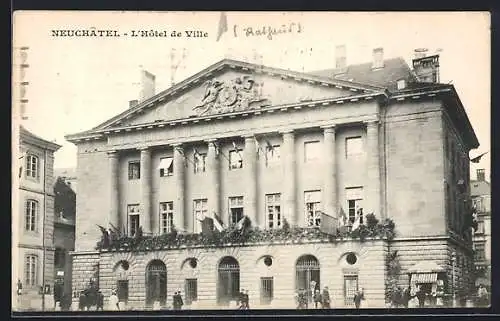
<point>165,163</point>
<point>424,278</point>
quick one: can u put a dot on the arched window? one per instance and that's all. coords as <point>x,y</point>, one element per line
<point>307,273</point>
<point>32,166</point>
<point>156,282</point>
<point>31,215</point>
<point>228,288</point>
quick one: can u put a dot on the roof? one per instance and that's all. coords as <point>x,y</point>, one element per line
<point>478,188</point>
<point>394,69</point>
<point>31,138</point>
<point>229,63</point>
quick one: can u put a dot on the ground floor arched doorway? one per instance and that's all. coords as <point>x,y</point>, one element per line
<point>307,275</point>
<point>228,285</point>
<point>156,283</point>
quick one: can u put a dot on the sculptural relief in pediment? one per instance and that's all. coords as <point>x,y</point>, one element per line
<point>241,93</point>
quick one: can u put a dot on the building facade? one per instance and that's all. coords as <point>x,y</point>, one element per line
<point>64,230</point>
<point>481,199</point>
<point>35,231</point>
<point>281,148</point>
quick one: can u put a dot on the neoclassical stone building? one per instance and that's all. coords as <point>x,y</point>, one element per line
<point>281,148</point>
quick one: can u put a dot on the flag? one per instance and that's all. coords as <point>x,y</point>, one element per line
<point>477,159</point>
<point>237,151</point>
<point>357,220</point>
<point>269,147</point>
<point>218,222</point>
<point>222,25</point>
<point>328,224</point>
<point>343,217</point>
<point>21,167</point>
<point>207,226</point>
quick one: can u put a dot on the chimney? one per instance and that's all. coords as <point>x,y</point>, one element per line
<point>480,174</point>
<point>426,68</point>
<point>133,103</point>
<point>378,58</point>
<point>340,59</point>
<point>147,85</point>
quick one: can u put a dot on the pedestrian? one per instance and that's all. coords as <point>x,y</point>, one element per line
<point>301,299</point>
<point>175,303</point>
<point>82,301</point>
<point>19,287</point>
<point>325,297</point>
<point>421,297</point>
<point>406,297</point>
<point>241,299</point>
<point>317,299</point>
<point>114,302</point>
<point>482,296</point>
<point>180,302</point>
<point>358,297</point>
<point>100,301</point>
<point>246,300</point>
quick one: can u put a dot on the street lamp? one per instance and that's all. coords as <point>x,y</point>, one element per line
<point>453,261</point>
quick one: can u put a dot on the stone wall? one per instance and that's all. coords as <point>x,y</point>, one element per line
<point>369,267</point>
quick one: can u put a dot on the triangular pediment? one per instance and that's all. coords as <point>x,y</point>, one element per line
<point>231,86</point>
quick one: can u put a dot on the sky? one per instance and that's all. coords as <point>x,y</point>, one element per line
<point>76,83</point>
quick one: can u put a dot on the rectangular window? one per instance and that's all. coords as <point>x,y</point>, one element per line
<point>354,197</point>
<point>32,166</point>
<point>350,289</point>
<point>235,159</point>
<point>479,252</point>
<point>312,151</point>
<point>266,290</point>
<point>30,271</point>
<point>199,162</point>
<point>31,215</point>
<point>480,227</point>
<point>477,203</point>
<point>235,209</point>
<point>134,170</point>
<point>59,257</point>
<point>122,290</point>
<point>200,211</point>
<point>166,217</point>
<point>191,290</point>
<point>273,208</point>
<point>353,147</point>
<point>313,208</point>
<point>133,218</point>
<point>166,166</point>
<point>272,154</point>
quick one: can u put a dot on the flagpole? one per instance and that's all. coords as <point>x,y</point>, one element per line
<point>43,225</point>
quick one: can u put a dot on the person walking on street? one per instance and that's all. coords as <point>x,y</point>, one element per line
<point>421,297</point>
<point>177,301</point>
<point>317,299</point>
<point>114,302</point>
<point>405,298</point>
<point>246,300</point>
<point>482,296</point>
<point>325,297</point>
<point>358,297</point>
<point>100,301</point>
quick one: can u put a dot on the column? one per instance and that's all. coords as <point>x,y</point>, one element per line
<point>373,169</point>
<point>289,179</point>
<point>179,169</point>
<point>330,180</point>
<point>114,200</point>
<point>213,168</point>
<point>250,172</point>
<point>146,216</point>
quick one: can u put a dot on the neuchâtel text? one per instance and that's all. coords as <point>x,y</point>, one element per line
<point>93,32</point>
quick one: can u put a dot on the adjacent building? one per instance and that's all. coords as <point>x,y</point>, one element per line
<point>283,149</point>
<point>35,266</point>
<point>481,200</point>
<point>64,227</point>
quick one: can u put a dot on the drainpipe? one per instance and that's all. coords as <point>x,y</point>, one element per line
<point>43,225</point>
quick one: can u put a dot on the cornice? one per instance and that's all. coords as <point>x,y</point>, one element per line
<point>102,133</point>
